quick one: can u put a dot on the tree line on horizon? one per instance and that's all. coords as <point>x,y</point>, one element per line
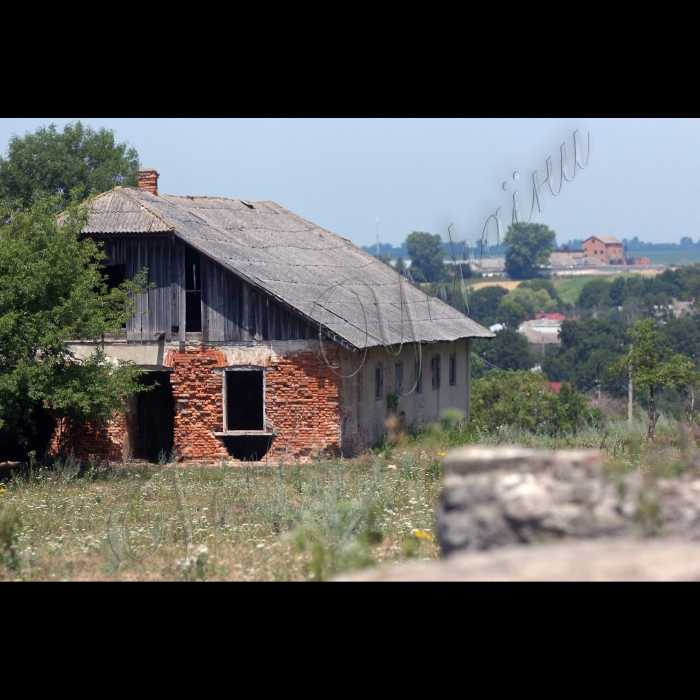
<point>634,245</point>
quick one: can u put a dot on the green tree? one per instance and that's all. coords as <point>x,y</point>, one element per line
<point>427,255</point>
<point>527,247</point>
<point>525,400</point>
<point>532,301</point>
<point>70,164</point>
<point>595,293</point>
<point>539,283</point>
<point>650,370</point>
<point>587,352</point>
<point>508,350</point>
<point>511,313</point>
<point>484,303</point>
<point>52,289</point>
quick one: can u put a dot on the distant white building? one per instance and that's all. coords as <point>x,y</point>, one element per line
<point>541,331</point>
<point>496,327</point>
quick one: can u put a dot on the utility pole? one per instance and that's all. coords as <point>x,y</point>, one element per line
<point>629,401</point>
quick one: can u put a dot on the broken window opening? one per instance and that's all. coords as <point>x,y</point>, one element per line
<point>453,370</point>
<point>248,448</point>
<point>115,276</point>
<point>245,400</point>
<point>378,383</point>
<point>193,291</point>
<point>419,377</point>
<point>155,412</point>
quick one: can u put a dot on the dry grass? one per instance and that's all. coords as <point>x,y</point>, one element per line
<point>147,522</point>
<point>142,522</point>
<point>505,283</point>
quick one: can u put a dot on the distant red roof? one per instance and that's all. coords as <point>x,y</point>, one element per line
<point>556,386</point>
<point>551,317</point>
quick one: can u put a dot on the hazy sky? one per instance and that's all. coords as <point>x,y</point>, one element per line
<point>425,174</point>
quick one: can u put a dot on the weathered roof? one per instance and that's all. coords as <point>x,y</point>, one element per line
<point>320,274</point>
<point>605,239</point>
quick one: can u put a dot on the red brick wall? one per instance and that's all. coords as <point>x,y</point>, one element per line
<point>107,441</point>
<point>197,392</point>
<point>302,405</point>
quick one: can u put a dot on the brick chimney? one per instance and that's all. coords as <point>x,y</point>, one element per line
<point>148,180</point>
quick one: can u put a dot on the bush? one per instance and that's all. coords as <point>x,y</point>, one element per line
<point>526,400</point>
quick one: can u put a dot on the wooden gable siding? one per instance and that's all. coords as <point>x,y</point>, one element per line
<point>232,310</point>
<point>159,309</point>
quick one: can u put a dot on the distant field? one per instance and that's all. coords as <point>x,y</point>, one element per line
<point>502,282</point>
<point>685,257</point>
<point>569,288</point>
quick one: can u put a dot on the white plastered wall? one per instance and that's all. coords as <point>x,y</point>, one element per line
<point>364,416</point>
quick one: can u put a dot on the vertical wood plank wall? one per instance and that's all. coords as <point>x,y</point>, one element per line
<point>232,310</point>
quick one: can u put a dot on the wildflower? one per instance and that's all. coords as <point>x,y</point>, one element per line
<point>2,490</point>
<point>441,454</point>
<point>422,535</point>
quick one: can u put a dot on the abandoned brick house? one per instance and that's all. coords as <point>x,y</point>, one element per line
<point>268,337</point>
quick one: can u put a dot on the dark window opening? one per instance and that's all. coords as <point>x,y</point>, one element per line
<point>155,418</point>
<point>398,377</point>
<point>35,435</point>
<point>453,369</point>
<point>435,370</point>
<point>419,378</point>
<point>245,408</point>
<point>193,291</point>
<point>116,275</point>
<point>377,383</point>
<point>248,448</point>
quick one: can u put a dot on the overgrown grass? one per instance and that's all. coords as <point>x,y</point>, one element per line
<point>289,523</point>
<point>147,522</point>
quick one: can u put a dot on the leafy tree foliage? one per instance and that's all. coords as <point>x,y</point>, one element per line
<point>650,370</point>
<point>528,247</point>
<point>595,293</point>
<point>52,289</point>
<point>531,301</point>
<point>484,303</point>
<point>70,164</point>
<point>511,313</point>
<point>538,284</point>
<point>587,352</point>
<point>427,256</point>
<point>508,350</point>
<point>682,335</point>
<point>525,399</point>
<point>645,292</point>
